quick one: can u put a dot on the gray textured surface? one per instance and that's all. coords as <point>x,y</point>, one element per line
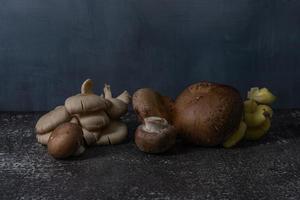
<point>47,48</point>
<point>268,169</point>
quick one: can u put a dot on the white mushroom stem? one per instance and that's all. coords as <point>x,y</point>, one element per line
<point>107,91</point>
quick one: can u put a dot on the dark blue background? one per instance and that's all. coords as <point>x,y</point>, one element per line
<point>48,47</point>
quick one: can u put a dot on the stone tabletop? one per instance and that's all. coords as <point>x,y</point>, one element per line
<point>267,169</point>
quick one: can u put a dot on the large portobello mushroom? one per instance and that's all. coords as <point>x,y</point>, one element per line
<point>207,113</point>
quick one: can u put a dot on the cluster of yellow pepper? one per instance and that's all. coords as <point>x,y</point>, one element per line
<point>257,117</point>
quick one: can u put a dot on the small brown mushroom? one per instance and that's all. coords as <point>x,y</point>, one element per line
<point>147,102</point>
<point>115,133</point>
<point>155,136</point>
<point>66,140</point>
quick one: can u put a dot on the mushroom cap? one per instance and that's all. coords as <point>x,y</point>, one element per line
<point>115,133</point>
<point>65,140</point>
<point>147,102</point>
<point>155,136</point>
<point>91,137</point>
<point>83,103</point>
<point>117,108</point>
<point>52,119</point>
<point>94,121</point>
<point>207,113</point>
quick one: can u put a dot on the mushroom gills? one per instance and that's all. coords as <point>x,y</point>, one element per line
<point>155,124</point>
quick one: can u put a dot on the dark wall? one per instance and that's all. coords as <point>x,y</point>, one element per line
<point>47,48</point>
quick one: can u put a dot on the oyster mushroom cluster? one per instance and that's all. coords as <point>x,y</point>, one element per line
<point>85,119</point>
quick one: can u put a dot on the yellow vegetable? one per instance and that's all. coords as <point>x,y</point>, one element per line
<point>267,110</point>
<point>250,106</point>
<point>257,118</point>
<point>258,132</point>
<point>236,136</point>
<point>262,96</point>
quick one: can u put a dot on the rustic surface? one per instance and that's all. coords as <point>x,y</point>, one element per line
<point>268,169</point>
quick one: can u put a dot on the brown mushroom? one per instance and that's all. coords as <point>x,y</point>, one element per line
<point>207,113</point>
<point>155,136</point>
<point>66,140</point>
<point>147,102</point>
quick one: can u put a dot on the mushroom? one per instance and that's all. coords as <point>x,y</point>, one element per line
<point>115,133</point>
<point>91,137</point>
<point>147,102</point>
<point>155,135</point>
<point>94,121</point>
<point>75,120</point>
<point>119,105</point>
<point>43,138</point>
<point>66,140</point>
<point>50,121</point>
<point>207,113</point>
<point>86,101</point>
<point>263,95</point>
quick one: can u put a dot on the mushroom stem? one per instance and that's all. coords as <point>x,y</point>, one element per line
<point>107,91</point>
<point>125,97</point>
